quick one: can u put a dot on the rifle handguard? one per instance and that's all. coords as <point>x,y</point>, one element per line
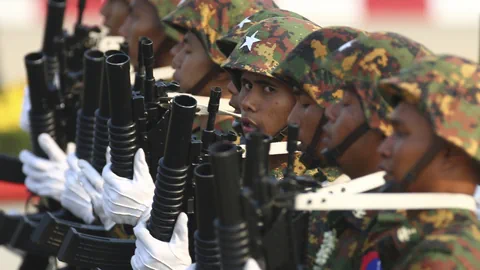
<point>207,252</point>
<point>231,228</point>
<point>93,73</point>
<point>172,170</point>
<point>42,118</point>
<point>102,114</point>
<point>122,131</point>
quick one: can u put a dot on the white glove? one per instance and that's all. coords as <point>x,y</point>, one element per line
<point>46,177</point>
<point>251,265</point>
<point>151,253</point>
<point>75,197</point>
<point>24,118</point>
<point>125,200</point>
<point>93,184</point>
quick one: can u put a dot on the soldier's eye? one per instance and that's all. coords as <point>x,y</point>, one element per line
<point>269,89</point>
<point>247,85</point>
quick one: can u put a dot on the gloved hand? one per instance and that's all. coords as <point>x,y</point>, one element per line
<point>125,200</point>
<point>251,265</point>
<point>75,197</point>
<point>151,253</point>
<point>24,118</point>
<point>93,184</point>
<point>46,177</point>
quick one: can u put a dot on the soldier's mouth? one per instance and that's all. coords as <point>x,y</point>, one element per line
<point>248,125</point>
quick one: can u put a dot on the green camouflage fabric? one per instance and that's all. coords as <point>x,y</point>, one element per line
<point>228,42</point>
<point>362,62</point>
<point>224,125</point>
<point>317,219</point>
<point>164,7</point>
<point>211,19</point>
<point>446,89</point>
<point>342,250</point>
<point>302,66</point>
<point>265,45</point>
<point>427,239</point>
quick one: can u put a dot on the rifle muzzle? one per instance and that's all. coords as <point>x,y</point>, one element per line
<point>42,118</point>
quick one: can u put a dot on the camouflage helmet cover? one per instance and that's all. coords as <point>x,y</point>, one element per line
<point>211,19</point>
<point>266,44</point>
<point>446,89</point>
<point>362,62</point>
<point>228,42</point>
<point>164,7</point>
<point>302,66</point>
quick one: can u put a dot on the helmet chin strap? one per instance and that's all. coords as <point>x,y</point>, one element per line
<point>200,85</point>
<point>331,155</point>
<point>280,135</point>
<point>308,157</point>
<point>401,186</point>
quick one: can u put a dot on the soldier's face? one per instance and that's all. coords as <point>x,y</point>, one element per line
<point>114,14</point>
<point>343,118</point>
<point>400,152</point>
<point>265,103</point>
<point>191,63</point>
<point>307,114</point>
<point>143,21</point>
<point>235,99</point>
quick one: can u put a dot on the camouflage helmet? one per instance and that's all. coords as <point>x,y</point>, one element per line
<point>446,89</point>
<point>211,19</point>
<point>362,62</point>
<point>228,42</point>
<point>302,69</point>
<point>164,7</point>
<point>265,45</point>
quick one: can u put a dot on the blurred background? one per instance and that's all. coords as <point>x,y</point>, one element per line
<point>445,26</point>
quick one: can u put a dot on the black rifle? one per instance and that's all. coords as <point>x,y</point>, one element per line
<point>42,120</point>
<point>52,228</point>
<point>173,169</point>
<point>231,226</point>
<point>207,254</point>
<point>268,230</point>
<point>142,121</point>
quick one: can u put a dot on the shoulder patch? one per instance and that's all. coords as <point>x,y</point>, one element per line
<point>371,261</point>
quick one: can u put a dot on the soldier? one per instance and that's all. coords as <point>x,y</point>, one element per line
<point>197,64</point>
<point>114,13</point>
<point>270,33</point>
<point>355,126</point>
<point>145,19</point>
<point>228,42</point>
<point>313,95</point>
<point>265,100</point>
<point>433,149</point>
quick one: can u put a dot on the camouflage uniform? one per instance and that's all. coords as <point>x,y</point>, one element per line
<point>358,65</point>
<point>299,69</point>
<point>264,45</point>
<point>209,20</point>
<point>164,7</point>
<point>446,89</point>
<point>229,41</point>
